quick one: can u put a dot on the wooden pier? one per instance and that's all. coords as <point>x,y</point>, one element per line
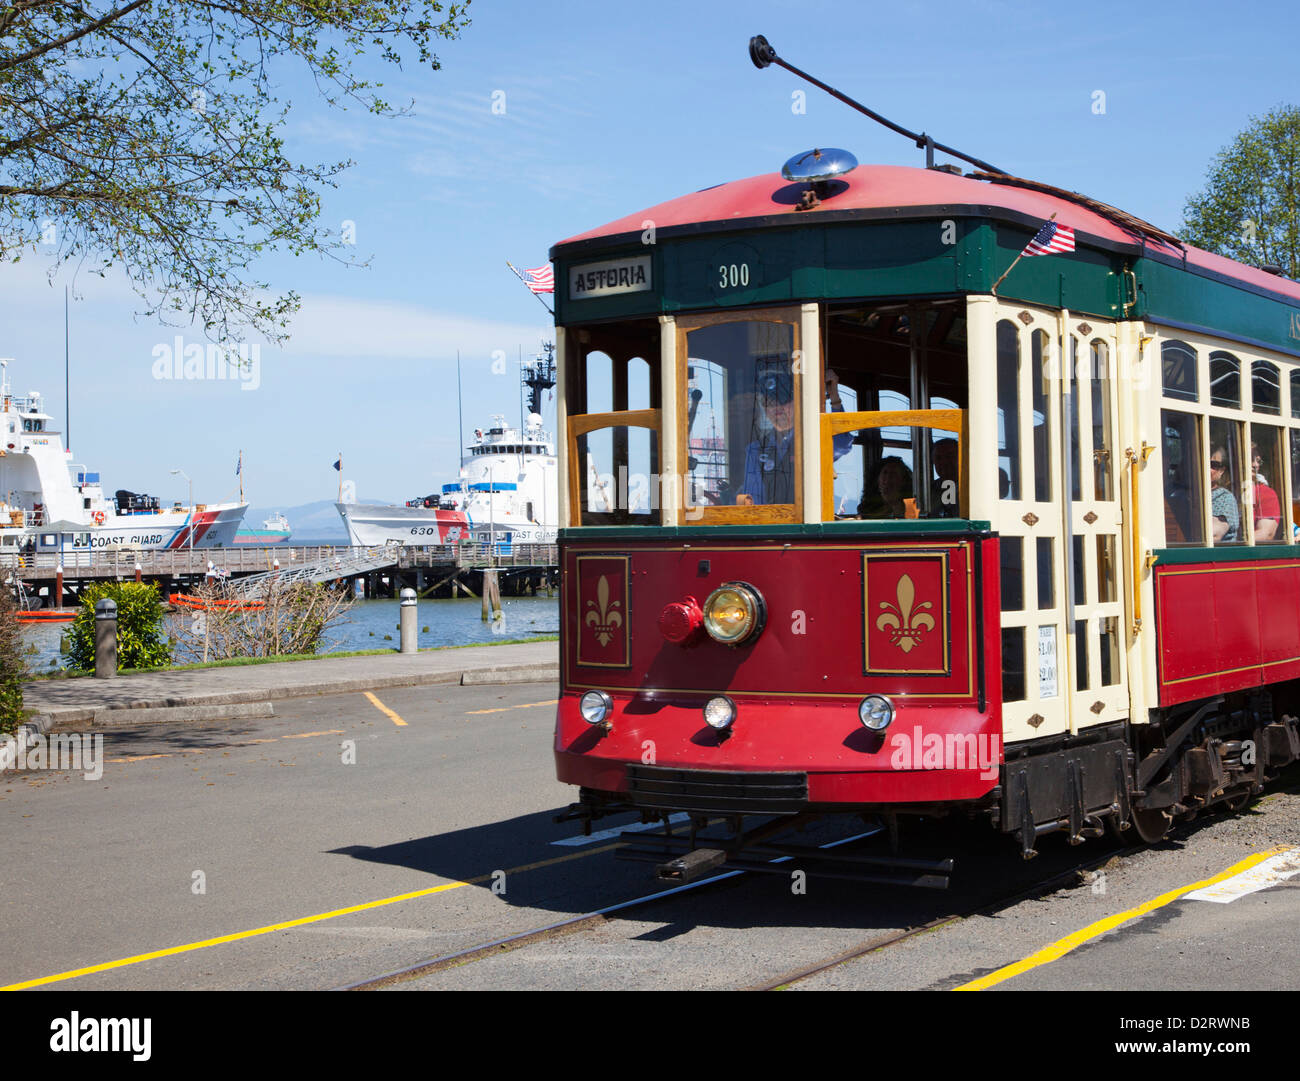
<point>433,571</point>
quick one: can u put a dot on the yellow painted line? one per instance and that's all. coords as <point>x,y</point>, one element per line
<point>204,750</point>
<point>171,951</point>
<point>189,947</point>
<point>507,709</point>
<point>384,709</point>
<point>168,754</point>
<point>1060,948</point>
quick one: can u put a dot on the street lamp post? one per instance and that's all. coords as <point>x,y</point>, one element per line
<point>189,517</point>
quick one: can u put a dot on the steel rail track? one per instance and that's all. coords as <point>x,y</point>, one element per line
<point>562,927</point>
<point>884,941</point>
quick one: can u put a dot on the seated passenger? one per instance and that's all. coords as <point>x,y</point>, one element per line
<point>769,460</point>
<point>943,489</point>
<point>1225,516</point>
<point>1268,508</point>
<point>894,484</point>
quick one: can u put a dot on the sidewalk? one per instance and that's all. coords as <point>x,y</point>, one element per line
<point>196,691</point>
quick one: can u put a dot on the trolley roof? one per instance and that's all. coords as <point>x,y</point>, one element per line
<point>900,192</point>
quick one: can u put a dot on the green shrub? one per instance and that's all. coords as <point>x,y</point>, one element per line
<point>140,641</point>
<point>13,665</point>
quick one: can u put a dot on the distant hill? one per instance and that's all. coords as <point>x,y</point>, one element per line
<point>318,521</point>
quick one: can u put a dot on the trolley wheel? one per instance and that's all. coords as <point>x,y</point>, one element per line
<point>1239,801</point>
<point>1151,826</point>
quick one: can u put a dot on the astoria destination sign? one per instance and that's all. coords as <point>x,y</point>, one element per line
<point>609,278</point>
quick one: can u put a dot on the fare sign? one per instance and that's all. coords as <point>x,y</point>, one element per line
<point>610,278</point>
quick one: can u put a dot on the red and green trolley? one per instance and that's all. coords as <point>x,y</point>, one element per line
<point>857,522</point>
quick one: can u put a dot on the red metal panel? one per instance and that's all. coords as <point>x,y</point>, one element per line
<point>1226,626</point>
<point>814,641</point>
<point>841,623</point>
<point>904,630</point>
<point>1279,614</point>
<point>601,584</point>
<point>928,753</point>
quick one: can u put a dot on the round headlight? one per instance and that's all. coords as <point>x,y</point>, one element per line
<point>719,712</point>
<point>595,707</point>
<point>876,712</point>
<point>733,613</point>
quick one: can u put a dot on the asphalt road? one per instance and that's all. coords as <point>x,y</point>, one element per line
<point>352,835</point>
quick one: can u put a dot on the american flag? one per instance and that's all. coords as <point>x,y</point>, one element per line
<point>1052,239</point>
<point>540,279</point>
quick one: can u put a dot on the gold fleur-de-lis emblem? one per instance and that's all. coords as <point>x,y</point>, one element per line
<point>604,613</point>
<point>906,624</point>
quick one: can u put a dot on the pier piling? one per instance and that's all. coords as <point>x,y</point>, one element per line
<point>491,596</point>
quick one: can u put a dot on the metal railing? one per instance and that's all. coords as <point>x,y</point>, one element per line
<point>295,562</point>
<point>162,561</point>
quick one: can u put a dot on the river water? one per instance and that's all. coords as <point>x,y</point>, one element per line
<point>440,623</point>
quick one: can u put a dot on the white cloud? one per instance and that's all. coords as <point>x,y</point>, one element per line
<point>334,326</point>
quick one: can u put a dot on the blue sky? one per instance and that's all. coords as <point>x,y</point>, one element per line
<point>611,108</point>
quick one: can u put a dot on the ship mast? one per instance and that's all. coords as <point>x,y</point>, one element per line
<point>539,376</point>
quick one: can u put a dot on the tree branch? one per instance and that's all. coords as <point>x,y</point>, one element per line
<point>67,39</point>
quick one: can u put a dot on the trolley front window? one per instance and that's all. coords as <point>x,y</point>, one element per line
<point>740,404</point>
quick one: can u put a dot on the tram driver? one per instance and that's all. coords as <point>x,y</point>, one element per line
<point>769,460</point>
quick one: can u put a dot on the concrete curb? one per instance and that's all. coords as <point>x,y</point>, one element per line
<point>541,673</point>
<point>154,714</point>
<point>24,737</point>
<point>178,704</point>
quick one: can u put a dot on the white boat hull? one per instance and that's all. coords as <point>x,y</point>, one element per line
<point>372,525</point>
<point>213,527</point>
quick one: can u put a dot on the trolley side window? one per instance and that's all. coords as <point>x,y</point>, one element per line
<point>1008,410</point>
<point>900,358</point>
<point>612,400</point>
<point>1225,380</point>
<point>1227,525</point>
<point>1264,474</point>
<point>1295,477</point>
<point>1178,370</point>
<point>1265,388</point>
<point>1184,479</point>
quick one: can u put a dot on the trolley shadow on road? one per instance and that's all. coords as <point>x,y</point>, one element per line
<point>989,871</point>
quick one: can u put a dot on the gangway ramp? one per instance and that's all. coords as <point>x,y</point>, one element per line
<point>355,562</point>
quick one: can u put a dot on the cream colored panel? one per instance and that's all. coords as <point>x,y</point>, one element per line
<point>562,423</point>
<point>1047,671</point>
<point>671,480</point>
<point>982,409</point>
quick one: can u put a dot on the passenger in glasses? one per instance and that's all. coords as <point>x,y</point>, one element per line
<point>1225,515</point>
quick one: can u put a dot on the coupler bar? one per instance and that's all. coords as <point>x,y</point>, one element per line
<point>694,864</point>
